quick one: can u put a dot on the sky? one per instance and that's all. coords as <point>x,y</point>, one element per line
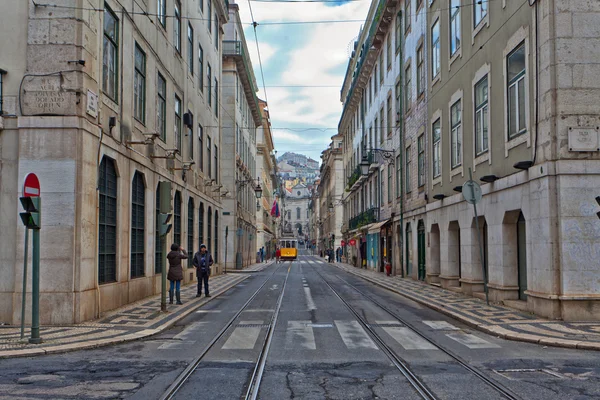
<point>302,55</point>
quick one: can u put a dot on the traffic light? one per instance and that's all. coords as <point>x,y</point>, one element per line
<point>164,227</point>
<point>31,217</point>
<point>598,201</point>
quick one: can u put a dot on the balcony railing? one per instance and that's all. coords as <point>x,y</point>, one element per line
<point>364,218</point>
<point>354,177</point>
<point>235,48</point>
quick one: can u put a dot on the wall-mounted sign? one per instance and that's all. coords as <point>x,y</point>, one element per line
<point>92,104</point>
<point>584,139</point>
<point>45,95</point>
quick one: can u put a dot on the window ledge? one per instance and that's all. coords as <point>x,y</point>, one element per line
<point>437,181</point>
<point>483,157</point>
<point>435,80</point>
<point>484,22</point>
<point>516,141</point>
<point>454,57</point>
<point>458,170</point>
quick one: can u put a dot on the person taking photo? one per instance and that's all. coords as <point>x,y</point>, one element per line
<point>175,275</point>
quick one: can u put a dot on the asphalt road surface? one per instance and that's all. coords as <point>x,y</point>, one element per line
<point>307,330</point>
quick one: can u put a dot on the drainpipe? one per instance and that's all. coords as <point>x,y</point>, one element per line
<point>400,168</point>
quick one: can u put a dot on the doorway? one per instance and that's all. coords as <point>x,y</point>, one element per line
<point>522,256</point>
<point>408,250</point>
<point>421,249</point>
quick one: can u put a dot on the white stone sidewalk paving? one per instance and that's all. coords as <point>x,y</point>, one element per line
<point>495,319</point>
<point>132,322</point>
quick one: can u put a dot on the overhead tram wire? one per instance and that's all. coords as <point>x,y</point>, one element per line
<point>254,25</point>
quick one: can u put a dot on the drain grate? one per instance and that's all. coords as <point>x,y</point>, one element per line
<point>253,325</point>
<point>386,325</point>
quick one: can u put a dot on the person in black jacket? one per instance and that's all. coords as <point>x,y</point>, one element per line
<point>175,275</point>
<point>202,261</point>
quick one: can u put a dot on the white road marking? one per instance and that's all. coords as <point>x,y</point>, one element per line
<point>259,310</point>
<point>353,335</point>
<point>207,311</point>
<point>192,329</point>
<point>309,300</point>
<point>408,338</point>
<point>471,341</point>
<point>300,333</point>
<point>441,325</point>
<point>183,344</point>
<point>243,338</point>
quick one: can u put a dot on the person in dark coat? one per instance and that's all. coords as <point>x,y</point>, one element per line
<point>175,275</point>
<point>202,261</point>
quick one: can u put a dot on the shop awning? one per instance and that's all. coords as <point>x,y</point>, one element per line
<point>376,227</point>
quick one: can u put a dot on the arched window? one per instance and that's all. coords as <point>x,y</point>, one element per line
<point>297,212</point>
<point>158,255</point>
<point>201,225</point>
<point>190,229</point>
<point>138,198</point>
<point>216,255</point>
<point>177,218</point>
<point>107,239</point>
<point>208,232</point>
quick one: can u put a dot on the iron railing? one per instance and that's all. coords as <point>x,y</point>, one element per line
<point>365,218</point>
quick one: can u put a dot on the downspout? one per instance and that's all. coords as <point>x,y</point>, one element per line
<point>400,122</point>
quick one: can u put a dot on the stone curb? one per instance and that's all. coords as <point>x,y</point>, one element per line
<point>494,330</point>
<point>95,343</point>
<point>250,271</point>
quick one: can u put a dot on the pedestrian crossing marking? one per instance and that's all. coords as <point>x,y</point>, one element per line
<point>471,341</point>
<point>300,333</point>
<point>243,338</point>
<point>180,344</point>
<point>441,325</point>
<point>353,335</point>
<point>207,311</point>
<point>191,330</point>
<point>309,299</point>
<point>406,337</point>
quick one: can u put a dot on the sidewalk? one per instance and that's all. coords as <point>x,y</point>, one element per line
<point>131,322</point>
<point>494,319</point>
<point>253,268</point>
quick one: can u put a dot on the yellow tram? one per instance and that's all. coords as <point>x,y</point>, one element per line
<point>289,248</point>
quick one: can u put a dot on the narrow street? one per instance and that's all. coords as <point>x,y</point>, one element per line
<point>308,330</point>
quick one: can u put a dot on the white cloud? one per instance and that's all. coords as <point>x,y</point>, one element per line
<point>266,52</point>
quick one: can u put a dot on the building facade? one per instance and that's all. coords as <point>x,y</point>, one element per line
<point>267,166</point>
<point>331,195</point>
<point>103,104</point>
<point>242,116</point>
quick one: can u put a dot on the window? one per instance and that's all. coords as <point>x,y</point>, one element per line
<point>389,183</point>
<point>158,255</point>
<point>201,225</point>
<point>201,5</point>
<point>209,13</point>
<point>138,198</point>
<point>161,108</point>
<point>376,132</point>
<point>398,174</point>
<point>216,35</point>
<point>419,4</point>
<point>201,68</point>
<point>389,115</point>
<point>375,81</point>
<point>177,218</point>
<point>481,116</point>
<point>208,156</point>
<point>382,119</point>
<point>216,252</point>
<point>435,49</point>
<point>107,238</point>
<point>515,67</point>
<point>420,71</point>
<point>200,147</point>
<point>177,123</point>
<point>370,90</point>
<point>407,88</point>
<point>216,98</point>
<point>208,231</point>
<point>398,102</point>
<point>436,139</point>
<point>407,159</point>
<point>398,31</point>
<point>177,26</point>
<point>455,134</point>
<point>297,212</point>
<point>217,164</point>
<point>190,136</point>
<point>407,15</point>
<point>2,73</point>
<point>190,229</point>
<point>421,160</point>
<point>190,49</point>
<point>381,69</point>
<point>209,82</point>
<point>110,54</point>
<point>479,11</point>
<point>139,85</point>
<point>389,52</point>
<point>454,26</point>
<point>161,8</point>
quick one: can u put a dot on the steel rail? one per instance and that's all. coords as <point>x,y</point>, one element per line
<point>398,362</point>
<point>192,366</point>
<point>495,385</point>
<point>259,369</point>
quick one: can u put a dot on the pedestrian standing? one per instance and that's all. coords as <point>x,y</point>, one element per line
<point>203,261</point>
<point>262,254</point>
<point>277,255</point>
<point>175,275</point>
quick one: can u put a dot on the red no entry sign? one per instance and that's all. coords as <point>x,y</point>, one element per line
<point>343,243</point>
<point>352,242</point>
<point>31,186</point>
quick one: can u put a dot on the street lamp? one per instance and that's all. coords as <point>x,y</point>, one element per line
<point>364,165</point>
<point>330,207</point>
<point>257,190</point>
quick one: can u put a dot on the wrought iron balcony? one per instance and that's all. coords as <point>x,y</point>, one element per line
<point>365,218</point>
<point>354,177</point>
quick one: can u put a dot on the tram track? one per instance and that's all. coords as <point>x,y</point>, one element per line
<point>419,386</point>
<point>253,385</point>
